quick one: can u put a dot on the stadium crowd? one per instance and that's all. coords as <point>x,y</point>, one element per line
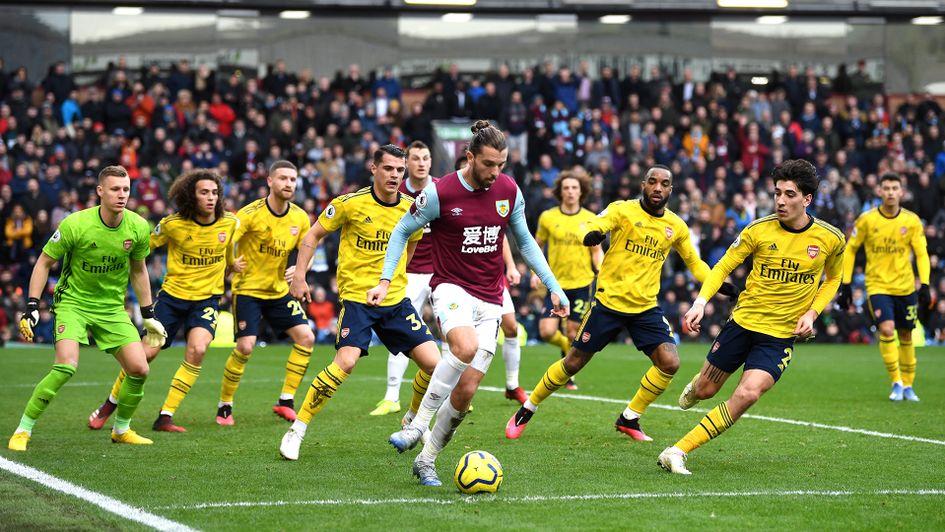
<point>720,137</point>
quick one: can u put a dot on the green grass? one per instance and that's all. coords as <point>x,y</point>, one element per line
<point>570,449</point>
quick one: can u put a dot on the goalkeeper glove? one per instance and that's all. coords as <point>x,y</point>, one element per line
<point>730,290</point>
<point>156,335</point>
<point>925,297</point>
<point>846,296</point>
<point>593,238</point>
<point>29,319</point>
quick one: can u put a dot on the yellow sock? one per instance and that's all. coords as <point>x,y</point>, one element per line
<point>653,383</point>
<point>554,378</point>
<point>561,341</point>
<point>714,423</point>
<point>295,368</point>
<point>907,362</point>
<point>322,389</point>
<point>232,373</point>
<point>117,386</point>
<point>887,348</point>
<point>184,378</point>
<point>420,383</point>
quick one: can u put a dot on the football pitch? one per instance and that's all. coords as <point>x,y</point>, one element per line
<point>825,449</point>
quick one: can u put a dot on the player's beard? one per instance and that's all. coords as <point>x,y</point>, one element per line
<point>653,207</point>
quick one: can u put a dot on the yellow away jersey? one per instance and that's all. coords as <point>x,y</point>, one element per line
<point>629,277</point>
<point>197,255</point>
<point>265,240</point>
<point>786,270</point>
<point>366,225</point>
<point>569,258</point>
<point>889,244</point>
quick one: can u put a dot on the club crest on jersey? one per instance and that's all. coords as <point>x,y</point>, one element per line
<point>294,230</point>
<point>222,236</point>
<point>61,329</point>
<point>813,251</point>
<point>456,211</point>
<point>669,233</point>
<point>502,207</point>
<point>903,231</point>
<point>241,325</point>
<point>586,337</point>
<point>127,244</point>
<point>453,306</point>
<point>344,332</point>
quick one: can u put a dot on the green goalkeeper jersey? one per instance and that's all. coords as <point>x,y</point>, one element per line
<point>95,259</point>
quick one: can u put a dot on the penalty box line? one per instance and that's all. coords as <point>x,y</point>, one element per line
<point>810,424</point>
<point>109,504</point>
<point>556,498</point>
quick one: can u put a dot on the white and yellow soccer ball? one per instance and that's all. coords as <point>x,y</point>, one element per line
<point>478,472</point>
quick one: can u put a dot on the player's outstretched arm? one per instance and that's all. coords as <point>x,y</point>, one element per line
<point>38,280</point>
<point>425,209</point>
<point>535,259</point>
<point>298,287</point>
<point>407,226</point>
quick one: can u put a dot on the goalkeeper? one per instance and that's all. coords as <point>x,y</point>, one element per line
<point>101,249</point>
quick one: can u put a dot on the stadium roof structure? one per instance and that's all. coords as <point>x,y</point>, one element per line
<point>886,9</point>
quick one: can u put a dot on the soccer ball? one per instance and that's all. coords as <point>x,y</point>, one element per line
<point>478,472</point>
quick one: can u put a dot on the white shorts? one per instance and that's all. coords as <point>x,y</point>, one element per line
<point>507,306</point>
<point>418,290</point>
<point>454,307</point>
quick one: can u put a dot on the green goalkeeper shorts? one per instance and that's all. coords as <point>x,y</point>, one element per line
<point>111,330</point>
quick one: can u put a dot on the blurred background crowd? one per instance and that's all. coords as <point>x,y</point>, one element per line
<point>720,136</point>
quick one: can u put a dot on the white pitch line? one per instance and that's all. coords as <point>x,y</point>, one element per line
<point>556,498</point>
<point>109,504</point>
<point>811,424</point>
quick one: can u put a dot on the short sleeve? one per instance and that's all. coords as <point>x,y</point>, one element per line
<point>142,245</point>
<point>159,234</point>
<point>304,226</point>
<point>333,217</point>
<point>61,241</point>
<point>243,224</point>
<point>542,233</point>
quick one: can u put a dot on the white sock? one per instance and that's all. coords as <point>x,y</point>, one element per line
<point>445,376</point>
<point>447,420</point>
<point>222,403</point>
<point>286,396</point>
<point>396,366</point>
<point>512,356</point>
<point>530,405</point>
<point>166,413</point>
<point>112,399</point>
<point>299,427</point>
<point>630,414</point>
